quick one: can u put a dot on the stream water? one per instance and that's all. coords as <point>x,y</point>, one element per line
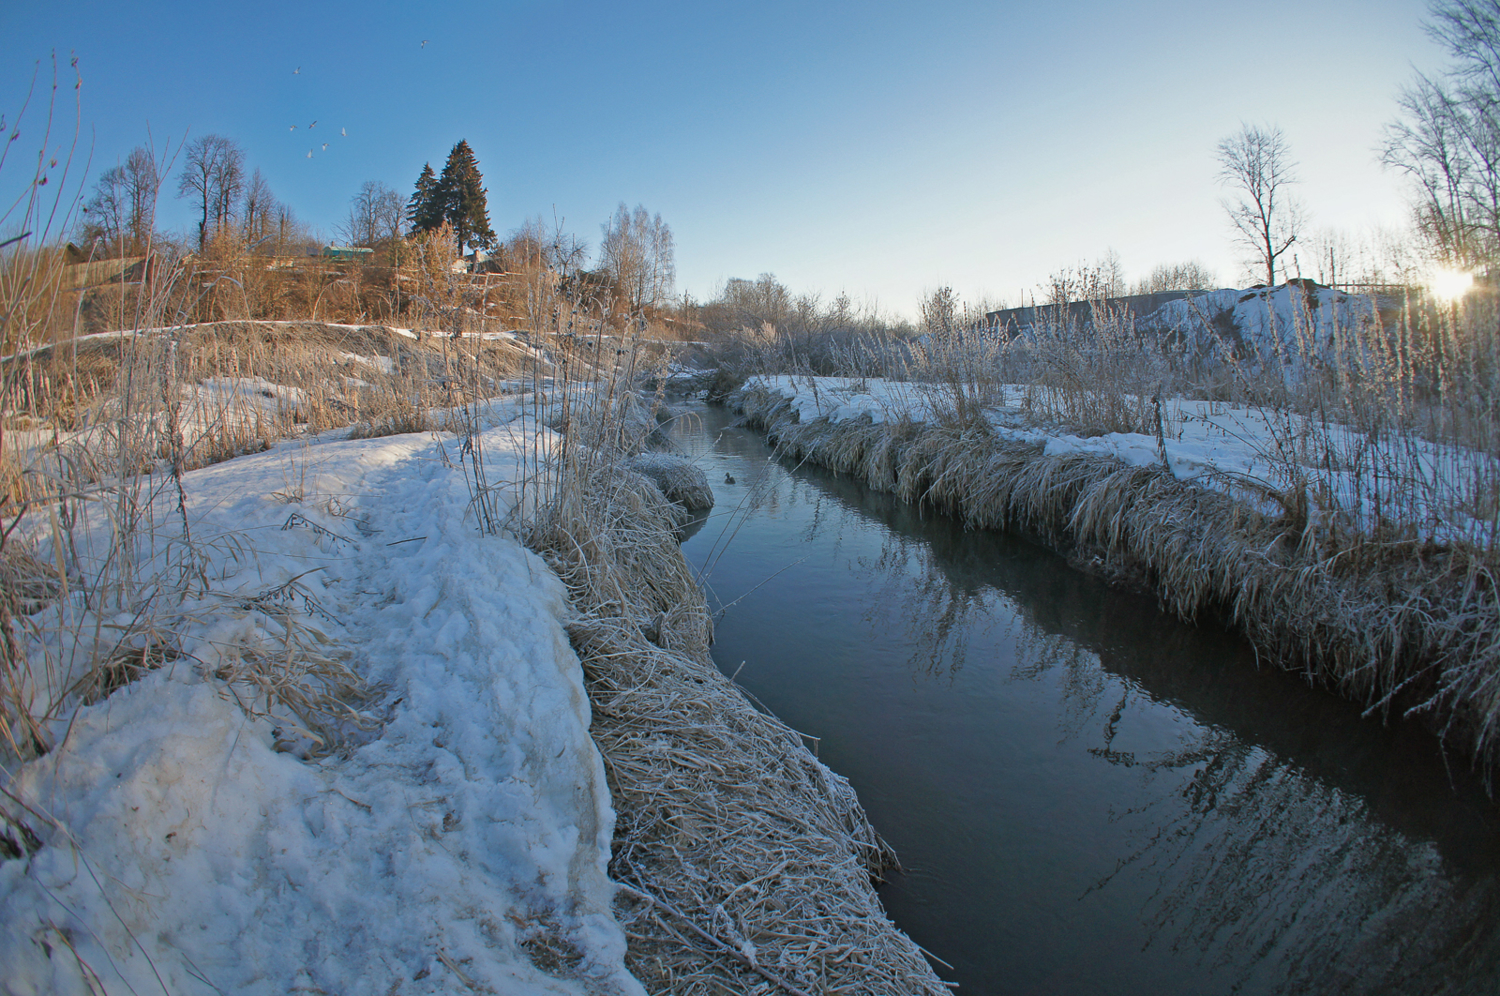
<point>1087,795</point>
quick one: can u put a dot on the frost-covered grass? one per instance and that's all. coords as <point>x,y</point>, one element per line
<point>1382,426</point>
<point>354,753</point>
<point>305,712</point>
<point>1263,455</point>
<point>734,841</point>
<point>1370,421</point>
<point>1361,551</point>
<point>300,719</point>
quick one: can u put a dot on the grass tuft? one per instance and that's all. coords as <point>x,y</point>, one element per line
<point>729,832</point>
<point>1407,626</point>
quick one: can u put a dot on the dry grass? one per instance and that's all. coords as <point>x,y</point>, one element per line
<point>97,437</point>
<point>291,672</point>
<point>747,864</point>
<point>188,397</point>
<point>1407,626</point>
<point>1365,555</point>
<point>347,374</point>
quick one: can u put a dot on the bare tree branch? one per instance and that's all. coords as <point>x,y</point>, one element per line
<point>1267,220</point>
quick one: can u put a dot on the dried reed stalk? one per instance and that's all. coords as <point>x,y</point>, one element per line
<point>1409,627</point>
<point>748,863</point>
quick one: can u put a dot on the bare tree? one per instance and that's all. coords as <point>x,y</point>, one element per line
<point>289,230</point>
<point>565,252</point>
<point>104,211</point>
<point>637,253</point>
<point>1338,257</point>
<point>764,300</point>
<point>258,215</point>
<point>1429,146</point>
<point>1088,282</point>
<point>549,246</point>
<point>1448,138</point>
<point>1189,276</point>
<point>374,215</point>
<point>1469,30</point>
<point>122,211</point>
<point>142,186</point>
<point>213,172</point>
<point>1267,219</point>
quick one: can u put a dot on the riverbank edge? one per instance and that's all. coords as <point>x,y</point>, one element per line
<point>1414,636</point>
<point>742,859</point>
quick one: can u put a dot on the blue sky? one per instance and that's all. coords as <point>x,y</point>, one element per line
<point>877,148</point>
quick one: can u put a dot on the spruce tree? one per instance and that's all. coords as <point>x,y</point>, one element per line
<point>461,191</point>
<point>424,211</point>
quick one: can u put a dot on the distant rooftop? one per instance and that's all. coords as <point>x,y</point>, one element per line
<point>347,252</point>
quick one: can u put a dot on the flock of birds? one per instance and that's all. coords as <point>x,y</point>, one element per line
<point>343,132</point>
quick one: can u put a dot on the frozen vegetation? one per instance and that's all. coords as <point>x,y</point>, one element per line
<point>1229,447</point>
<point>1317,470</point>
<point>314,682</point>
<point>455,826</point>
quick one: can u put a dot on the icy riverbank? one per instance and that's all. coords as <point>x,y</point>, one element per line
<point>342,741</point>
<point>175,838</point>
<point>1410,626</point>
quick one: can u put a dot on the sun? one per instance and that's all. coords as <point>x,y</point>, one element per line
<point>1450,285</point>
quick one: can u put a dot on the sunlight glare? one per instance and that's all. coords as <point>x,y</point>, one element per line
<point>1450,285</point>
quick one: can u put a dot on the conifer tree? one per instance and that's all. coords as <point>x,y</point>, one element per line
<point>461,191</point>
<point>424,211</point>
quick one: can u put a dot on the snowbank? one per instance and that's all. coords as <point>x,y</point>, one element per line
<point>1293,327</point>
<point>1239,449</point>
<point>1408,627</point>
<point>680,481</point>
<point>460,842</point>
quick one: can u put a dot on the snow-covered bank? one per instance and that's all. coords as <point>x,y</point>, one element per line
<point>1241,450</point>
<point>1411,625</point>
<point>339,739</point>
<point>730,831</point>
<point>175,838</point>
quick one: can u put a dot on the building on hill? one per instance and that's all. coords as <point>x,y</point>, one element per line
<point>1130,306</point>
<point>350,254</point>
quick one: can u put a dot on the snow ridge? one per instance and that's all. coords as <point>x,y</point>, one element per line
<point>462,844</point>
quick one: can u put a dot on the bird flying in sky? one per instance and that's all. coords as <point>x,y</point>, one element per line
<point>325,146</point>
<point>344,132</point>
<point>292,128</point>
<point>424,42</point>
<point>296,71</point>
<point>313,125</point>
<point>309,153</point>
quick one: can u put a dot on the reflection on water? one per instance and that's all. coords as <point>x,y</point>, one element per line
<point>1089,797</point>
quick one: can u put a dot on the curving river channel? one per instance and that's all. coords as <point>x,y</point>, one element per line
<point>1087,796</point>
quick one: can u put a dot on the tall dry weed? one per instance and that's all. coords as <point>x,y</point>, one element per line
<point>1401,623</point>
<point>710,792</point>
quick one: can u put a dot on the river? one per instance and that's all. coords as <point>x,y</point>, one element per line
<point>1087,795</point>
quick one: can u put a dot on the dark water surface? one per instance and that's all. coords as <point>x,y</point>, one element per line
<point>1088,796</point>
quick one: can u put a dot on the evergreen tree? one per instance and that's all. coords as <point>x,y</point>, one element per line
<point>425,209</point>
<point>461,191</point>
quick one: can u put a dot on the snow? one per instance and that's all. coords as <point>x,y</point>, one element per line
<point>165,329</point>
<point>1288,326</point>
<point>1211,444</point>
<point>383,364</point>
<point>1293,330</point>
<point>191,841</point>
<point>680,480</point>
